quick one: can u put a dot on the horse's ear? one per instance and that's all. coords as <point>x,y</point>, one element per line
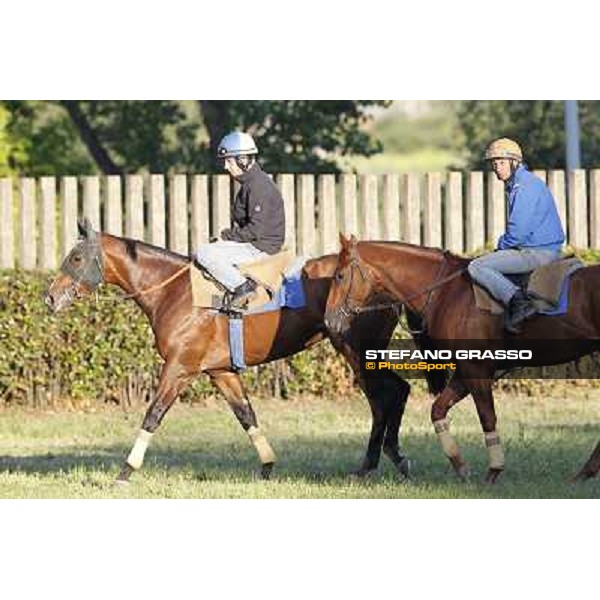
<point>85,228</point>
<point>347,241</point>
<point>352,246</point>
<point>343,240</point>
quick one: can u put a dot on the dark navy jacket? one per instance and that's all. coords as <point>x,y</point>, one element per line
<point>533,220</point>
<point>257,212</point>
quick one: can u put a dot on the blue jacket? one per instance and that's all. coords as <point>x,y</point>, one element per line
<point>533,220</point>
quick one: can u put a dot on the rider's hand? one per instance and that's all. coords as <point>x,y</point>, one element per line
<point>226,234</point>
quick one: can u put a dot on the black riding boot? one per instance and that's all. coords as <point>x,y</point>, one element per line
<point>243,293</point>
<point>520,308</point>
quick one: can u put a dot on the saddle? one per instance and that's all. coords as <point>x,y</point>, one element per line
<point>268,273</point>
<point>280,284</point>
<point>547,286</point>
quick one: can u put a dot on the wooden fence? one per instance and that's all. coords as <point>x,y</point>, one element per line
<point>458,211</point>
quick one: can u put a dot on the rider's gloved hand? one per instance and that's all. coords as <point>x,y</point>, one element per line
<point>226,234</point>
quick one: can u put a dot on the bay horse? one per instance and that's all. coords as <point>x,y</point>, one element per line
<point>435,285</point>
<point>193,341</point>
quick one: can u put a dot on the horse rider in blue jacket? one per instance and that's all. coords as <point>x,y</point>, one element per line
<point>258,220</point>
<point>533,236</point>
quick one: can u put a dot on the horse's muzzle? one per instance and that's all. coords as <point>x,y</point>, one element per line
<point>49,301</point>
<point>335,322</point>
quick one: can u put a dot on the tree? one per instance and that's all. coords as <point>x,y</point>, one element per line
<point>537,125</point>
<point>39,139</point>
<point>131,136</point>
<point>77,136</point>
<point>87,137</point>
<point>296,135</point>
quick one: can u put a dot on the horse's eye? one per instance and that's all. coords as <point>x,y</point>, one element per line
<point>76,258</point>
<point>339,276</point>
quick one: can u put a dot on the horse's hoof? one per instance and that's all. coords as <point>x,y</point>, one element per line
<point>266,470</point>
<point>363,473</point>
<point>124,475</point>
<point>121,483</point>
<point>462,471</point>
<point>581,477</point>
<point>404,467</point>
<point>492,476</point>
<point>460,468</point>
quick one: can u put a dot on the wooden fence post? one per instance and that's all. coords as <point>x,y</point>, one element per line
<point>369,209</point>
<point>595,208</point>
<point>200,225</point>
<point>306,215</point>
<point>348,212</point>
<point>68,195</point>
<point>48,223</point>
<point>432,210</point>
<point>328,240</point>
<point>578,223</point>
<point>157,234</point>
<point>556,183</point>
<point>28,237</point>
<point>113,206</point>
<point>134,207</point>
<point>221,204</point>
<point>178,215</point>
<point>410,214</point>
<point>453,213</point>
<point>391,208</point>
<point>475,224</point>
<point>91,200</point>
<point>7,224</point>
<point>285,182</point>
<point>496,209</point>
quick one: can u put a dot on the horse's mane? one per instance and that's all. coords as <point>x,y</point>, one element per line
<point>133,246</point>
<point>452,258</point>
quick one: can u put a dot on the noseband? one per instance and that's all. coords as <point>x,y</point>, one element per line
<point>90,272</point>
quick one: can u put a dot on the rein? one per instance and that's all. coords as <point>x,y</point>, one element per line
<point>151,289</point>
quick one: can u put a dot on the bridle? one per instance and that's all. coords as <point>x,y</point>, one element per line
<point>347,308</point>
<point>91,274</point>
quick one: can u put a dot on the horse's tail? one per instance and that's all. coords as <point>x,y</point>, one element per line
<point>436,379</point>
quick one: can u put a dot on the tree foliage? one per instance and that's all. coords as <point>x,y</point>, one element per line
<point>298,135</point>
<point>109,136</point>
<point>537,125</point>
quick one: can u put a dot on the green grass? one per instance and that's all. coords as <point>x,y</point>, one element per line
<point>201,452</point>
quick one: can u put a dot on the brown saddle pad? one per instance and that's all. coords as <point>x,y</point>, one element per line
<point>267,272</point>
<point>545,285</point>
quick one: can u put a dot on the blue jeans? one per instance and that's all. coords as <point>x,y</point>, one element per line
<point>488,270</point>
<point>220,260</point>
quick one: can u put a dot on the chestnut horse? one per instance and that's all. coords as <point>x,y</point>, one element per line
<point>436,285</point>
<point>193,341</point>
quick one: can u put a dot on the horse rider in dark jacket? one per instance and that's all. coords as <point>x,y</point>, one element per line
<point>258,219</point>
<point>533,236</point>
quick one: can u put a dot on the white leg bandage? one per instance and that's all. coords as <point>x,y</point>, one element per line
<point>449,446</point>
<point>136,456</point>
<point>265,452</point>
<point>495,451</point>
